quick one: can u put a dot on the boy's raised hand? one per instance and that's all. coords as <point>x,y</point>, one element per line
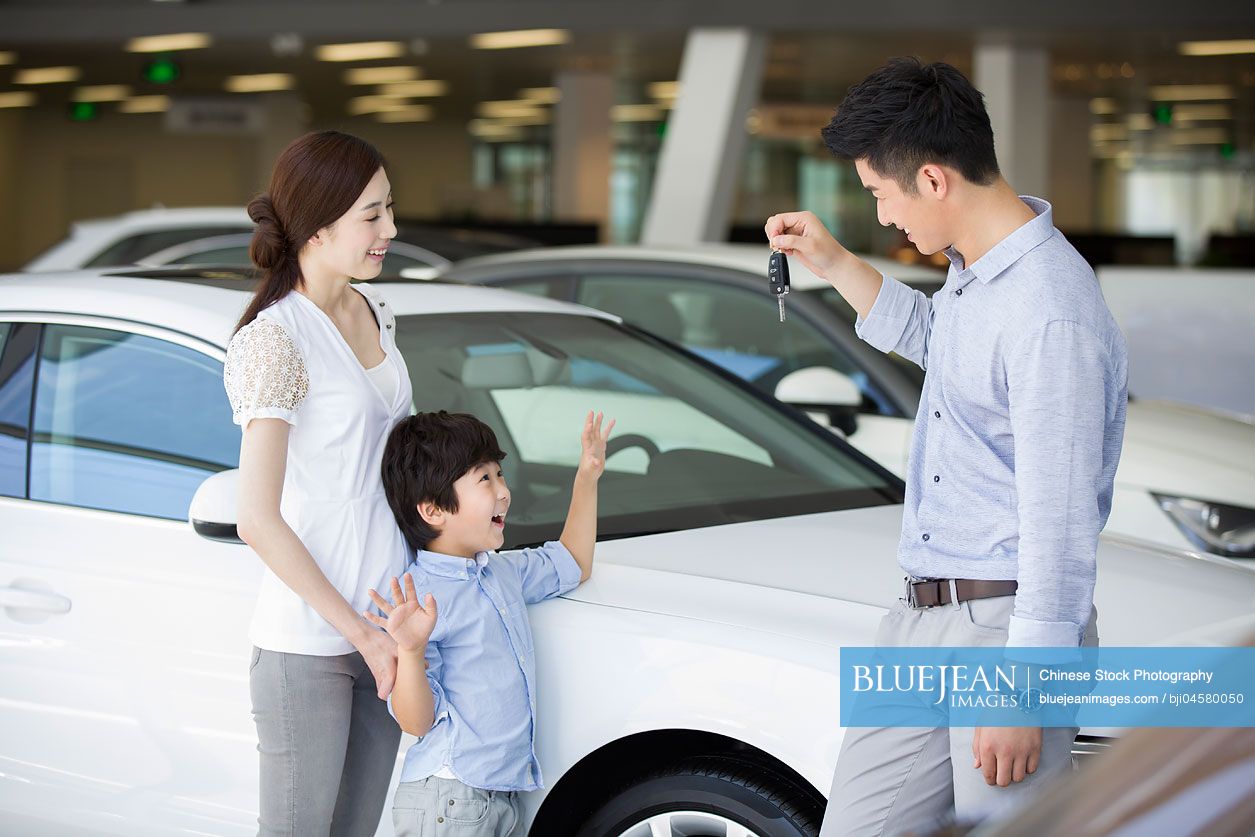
<point>408,622</point>
<point>593,440</point>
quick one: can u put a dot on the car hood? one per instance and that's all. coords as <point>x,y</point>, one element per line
<point>828,577</point>
<point>1185,451</point>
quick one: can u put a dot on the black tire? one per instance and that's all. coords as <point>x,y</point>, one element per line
<point>758,798</point>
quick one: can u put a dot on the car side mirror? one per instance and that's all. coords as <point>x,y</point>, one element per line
<point>212,512</point>
<point>825,390</point>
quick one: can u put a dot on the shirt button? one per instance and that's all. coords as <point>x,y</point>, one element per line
<point>936,413</point>
<point>501,610</point>
<point>959,292</point>
<point>936,478</point>
<point>925,536</point>
<point>439,819</point>
<point>381,305</point>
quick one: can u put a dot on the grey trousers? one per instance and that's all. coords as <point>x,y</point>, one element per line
<point>327,743</point>
<point>898,780</point>
<point>437,806</point>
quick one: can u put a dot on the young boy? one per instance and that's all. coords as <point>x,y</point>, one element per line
<point>466,682</point>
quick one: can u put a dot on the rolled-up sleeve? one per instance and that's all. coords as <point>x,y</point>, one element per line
<point>900,321</point>
<point>1057,376</point>
<point>544,571</point>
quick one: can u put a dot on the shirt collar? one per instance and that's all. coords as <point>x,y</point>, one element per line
<point>1008,251</point>
<point>450,566</point>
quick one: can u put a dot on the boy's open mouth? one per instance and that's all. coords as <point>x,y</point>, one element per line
<point>498,520</point>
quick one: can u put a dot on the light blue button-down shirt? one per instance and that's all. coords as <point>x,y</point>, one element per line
<point>480,663</point>
<point>1020,424</point>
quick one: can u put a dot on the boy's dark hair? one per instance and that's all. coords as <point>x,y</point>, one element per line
<point>424,456</point>
<point>907,114</point>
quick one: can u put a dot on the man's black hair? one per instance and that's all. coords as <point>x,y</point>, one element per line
<point>907,114</point>
<point>424,456</point>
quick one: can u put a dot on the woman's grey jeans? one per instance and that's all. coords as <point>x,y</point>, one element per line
<point>326,741</point>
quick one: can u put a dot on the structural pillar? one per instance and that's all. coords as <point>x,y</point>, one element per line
<point>583,146</point>
<point>1016,83</point>
<point>696,179</point>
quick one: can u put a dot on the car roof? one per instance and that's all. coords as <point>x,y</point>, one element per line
<point>206,302</point>
<point>161,217</point>
<point>746,258</point>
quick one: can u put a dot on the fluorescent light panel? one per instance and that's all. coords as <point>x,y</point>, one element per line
<point>47,75</point>
<point>1190,92</point>
<point>406,113</point>
<point>260,83</point>
<point>380,75</point>
<point>20,99</point>
<point>145,104</point>
<point>8,58</point>
<point>520,38</point>
<point>363,51</point>
<point>421,89</point>
<point>636,113</point>
<point>541,95</point>
<point>510,107</point>
<point>1242,47</point>
<point>169,43</point>
<point>102,93</point>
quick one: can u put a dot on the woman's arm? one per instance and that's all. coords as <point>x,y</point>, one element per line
<point>263,463</point>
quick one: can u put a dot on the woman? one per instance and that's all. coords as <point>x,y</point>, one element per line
<point>316,383</point>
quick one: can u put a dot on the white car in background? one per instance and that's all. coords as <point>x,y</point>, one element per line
<point>690,687</point>
<point>1186,477</point>
<point>220,236</point>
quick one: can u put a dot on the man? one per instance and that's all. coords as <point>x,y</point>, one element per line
<point>1015,445</point>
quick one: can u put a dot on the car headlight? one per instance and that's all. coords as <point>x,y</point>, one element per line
<point>1215,527</point>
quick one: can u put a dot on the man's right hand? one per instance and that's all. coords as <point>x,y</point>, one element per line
<point>803,236</point>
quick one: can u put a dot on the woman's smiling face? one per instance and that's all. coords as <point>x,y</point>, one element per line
<point>355,244</point>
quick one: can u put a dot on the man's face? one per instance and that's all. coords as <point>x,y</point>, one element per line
<point>917,215</point>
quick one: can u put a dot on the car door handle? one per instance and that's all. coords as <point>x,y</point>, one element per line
<point>19,599</point>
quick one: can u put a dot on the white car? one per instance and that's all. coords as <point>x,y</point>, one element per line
<point>690,687</point>
<point>220,236</point>
<point>1186,477</point>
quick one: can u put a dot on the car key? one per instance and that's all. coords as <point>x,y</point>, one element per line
<point>778,276</point>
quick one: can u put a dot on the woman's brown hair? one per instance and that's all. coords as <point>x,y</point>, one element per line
<point>316,180</point>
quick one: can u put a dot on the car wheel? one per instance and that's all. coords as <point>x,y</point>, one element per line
<point>708,796</point>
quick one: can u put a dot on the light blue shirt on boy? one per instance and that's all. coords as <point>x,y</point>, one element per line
<point>480,663</point>
<point>1020,424</point>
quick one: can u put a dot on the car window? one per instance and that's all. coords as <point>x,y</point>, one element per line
<point>696,448</point>
<point>730,326</point>
<point>131,249</point>
<point>17,372</point>
<point>128,423</point>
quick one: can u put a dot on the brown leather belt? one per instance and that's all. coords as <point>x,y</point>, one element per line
<point>934,592</point>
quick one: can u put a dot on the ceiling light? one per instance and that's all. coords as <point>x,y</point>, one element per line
<point>421,89</point>
<point>1200,112</point>
<point>1100,107</point>
<point>145,104</point>
<point>374,104</point>
<point>260,83</point>
<point>1217,47</point>
<point>486,129</point>
<point>1111,131</point>
<point>407,113</point>
<point>1190,92</point>
<point>1140,122</point>
<point>46,75</point>
<point>379,75</point>
<point>636,113</point>
<point>169,43</point>
<point>102,93</point>
<point>8,58</point>
<point>664,89</point>
<point>21,99</point>
<point>512,107</point>
<point>541,95</point>
<point>365,51</point>
<point>520,38</point>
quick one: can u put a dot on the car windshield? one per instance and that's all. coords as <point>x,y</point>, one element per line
<point>690,448</point>
<point>836,303</point>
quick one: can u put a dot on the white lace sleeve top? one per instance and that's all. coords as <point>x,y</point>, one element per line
<point>292,363</point>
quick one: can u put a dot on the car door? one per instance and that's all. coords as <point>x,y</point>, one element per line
<point>739,329</point>
<point>123,635</point>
